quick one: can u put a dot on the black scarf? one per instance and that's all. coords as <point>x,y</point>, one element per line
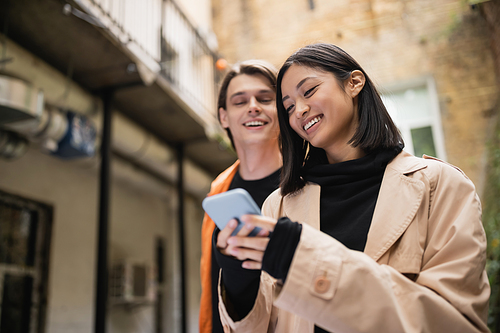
<point>349,192</point>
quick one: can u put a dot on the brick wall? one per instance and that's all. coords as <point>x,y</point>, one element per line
<point>394,41</point>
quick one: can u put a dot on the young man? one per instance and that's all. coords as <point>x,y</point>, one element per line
<point>247,110</point>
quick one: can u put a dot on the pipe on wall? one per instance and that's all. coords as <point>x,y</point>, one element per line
<point>134,143</point>
<point>128,138</point>
<point>45,130</point>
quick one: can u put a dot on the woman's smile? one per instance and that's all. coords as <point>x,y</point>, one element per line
<point>310,123</point>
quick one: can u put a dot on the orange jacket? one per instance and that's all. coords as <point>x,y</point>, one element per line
<point>219,185</point>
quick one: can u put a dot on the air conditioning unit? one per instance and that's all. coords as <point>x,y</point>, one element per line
<point>132,283</point>
<point>19,100</point>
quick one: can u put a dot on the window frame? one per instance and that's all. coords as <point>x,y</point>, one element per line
<point>434,121</point>
<point>40,269</point>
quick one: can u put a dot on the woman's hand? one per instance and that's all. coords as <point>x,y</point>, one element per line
<point>248,249</point>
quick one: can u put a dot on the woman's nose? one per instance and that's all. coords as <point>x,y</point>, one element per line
<point>301,110</point>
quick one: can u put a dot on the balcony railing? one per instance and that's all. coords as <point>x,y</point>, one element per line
<point>166,36</point>
<point>187,61</point>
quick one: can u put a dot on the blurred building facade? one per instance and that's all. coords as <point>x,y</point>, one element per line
<point>431,60</point>
<point>150,64</point>
<point>142,74</point>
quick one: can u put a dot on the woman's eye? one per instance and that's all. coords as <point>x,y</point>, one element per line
<point>310,91</point>
<point>289,109</point>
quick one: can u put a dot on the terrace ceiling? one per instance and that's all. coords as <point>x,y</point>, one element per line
<point>74,46</point>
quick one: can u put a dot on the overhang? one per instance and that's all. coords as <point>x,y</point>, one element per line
<point>96,62</point>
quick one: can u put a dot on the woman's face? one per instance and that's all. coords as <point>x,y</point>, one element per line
<point>320,111</point>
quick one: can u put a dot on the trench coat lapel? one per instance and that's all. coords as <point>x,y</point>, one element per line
<point>304,207</point>
<point>401,196</point>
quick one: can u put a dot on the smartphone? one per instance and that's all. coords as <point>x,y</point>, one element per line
<point>230,205</point>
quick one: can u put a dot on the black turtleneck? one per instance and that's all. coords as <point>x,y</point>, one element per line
<point>349,192</point>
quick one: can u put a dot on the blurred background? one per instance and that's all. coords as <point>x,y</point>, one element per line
<point>109,138</point>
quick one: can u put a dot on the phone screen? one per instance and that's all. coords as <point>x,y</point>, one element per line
<point>230,205</point>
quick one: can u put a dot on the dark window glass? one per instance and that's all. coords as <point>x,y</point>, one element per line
<point>18,235</point>
<point>423,141</point>
<point>16,303</point>
<point>139,280</point>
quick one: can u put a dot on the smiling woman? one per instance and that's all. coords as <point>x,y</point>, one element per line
<point>323,111</point>
<point>358,120</point>
<point>385,241</point>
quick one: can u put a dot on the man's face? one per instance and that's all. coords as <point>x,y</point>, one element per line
<point>250,111</point>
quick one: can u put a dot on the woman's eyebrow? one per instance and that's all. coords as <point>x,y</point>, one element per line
<point>298,86</point>
<point>303,81</point>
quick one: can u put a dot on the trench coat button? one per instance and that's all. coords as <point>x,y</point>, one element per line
<point>321,284</point>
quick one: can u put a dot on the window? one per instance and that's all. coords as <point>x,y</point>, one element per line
<point>414,108</point>
<point>24,252</point>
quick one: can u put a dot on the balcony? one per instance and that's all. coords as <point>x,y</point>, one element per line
<point>160,68</point>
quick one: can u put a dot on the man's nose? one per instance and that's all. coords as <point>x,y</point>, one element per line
<point>253,105</point>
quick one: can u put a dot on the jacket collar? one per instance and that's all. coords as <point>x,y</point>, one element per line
<point>223,180</point>
<point>400,195</point>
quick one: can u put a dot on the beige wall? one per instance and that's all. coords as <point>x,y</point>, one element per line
<point>193,255</point>
<point>139,214</point>
<point>73,195</point>
<point>199,12</point>
<point>394,41</point>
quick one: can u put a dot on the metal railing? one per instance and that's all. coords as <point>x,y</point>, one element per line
<point>165,34</point>
<point>139,20</point>
<point>187,61</point>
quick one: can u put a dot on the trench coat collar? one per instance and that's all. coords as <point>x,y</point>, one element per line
<point>399,194</point>
<point>399,198</point>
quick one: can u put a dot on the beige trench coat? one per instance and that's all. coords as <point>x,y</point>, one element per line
<point>422,269</point>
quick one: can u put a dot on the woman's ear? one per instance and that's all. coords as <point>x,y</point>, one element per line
<point>223,118</point>
<point>356,82</point>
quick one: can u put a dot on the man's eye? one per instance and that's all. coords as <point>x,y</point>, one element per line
<point>310,91</point>
<point>239,102</point>
<point>266,100</point>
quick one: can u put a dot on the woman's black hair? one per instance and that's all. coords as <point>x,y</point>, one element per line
<point>248,67</point>
<point>376,130</point>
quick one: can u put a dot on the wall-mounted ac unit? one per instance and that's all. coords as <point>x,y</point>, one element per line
<point>132,283</point>
<point>19,100</point>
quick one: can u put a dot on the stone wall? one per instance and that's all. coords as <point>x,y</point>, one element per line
<point>394,41</point>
